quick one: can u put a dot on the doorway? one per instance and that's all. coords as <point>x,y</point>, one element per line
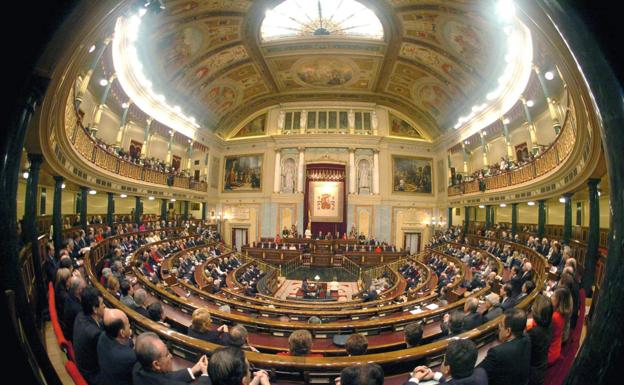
<point>411,241</point>
<point>239,238</point>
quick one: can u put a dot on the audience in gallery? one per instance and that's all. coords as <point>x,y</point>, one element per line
<point>504,165</point>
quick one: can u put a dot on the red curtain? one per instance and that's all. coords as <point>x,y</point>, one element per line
<point>325,227</point>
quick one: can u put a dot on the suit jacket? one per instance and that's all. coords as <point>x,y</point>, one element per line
<point>86,335</point>
<point>71,309</point>
<point>471,321</point>
<point>540,341</point>
<point>141,376</point>
<point>115,360</point>
<point>478,377</point>
<point>492,313</point>
<point>211,336</point>
<point>509,363</point>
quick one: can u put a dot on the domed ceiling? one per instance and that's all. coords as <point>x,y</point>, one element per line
<point>434,60</point>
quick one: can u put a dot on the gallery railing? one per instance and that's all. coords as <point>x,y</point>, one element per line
<point>552,157</point>
<point>86,146</point>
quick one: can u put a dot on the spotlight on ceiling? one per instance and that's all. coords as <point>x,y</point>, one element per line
<point>155,6</point>
<point>466,142</point>
<point>481,206</point>
<point>562,200</point>
<point>173,200</point>
<point>125,105</point>
<point>92,48</point>
<point>530,103</point>
<point>503,205</point>
<point>103,82</point>
<point>505,10</point>
<point>506,121</point>
<point>63,185</point>
<point>25,175</point>
<point>599,193</point>
<point>549,75</point>
<point>123,196</point>
<point>92,192</point>
<point>531,203</point>
<point>151,198</point>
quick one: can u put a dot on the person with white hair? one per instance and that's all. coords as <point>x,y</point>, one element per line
<point>527,272</point>
<point>492,307</point>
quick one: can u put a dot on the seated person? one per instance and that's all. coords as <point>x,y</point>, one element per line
<point>333,286</point>
<point>452,324</point>
<point>200,328</point>
<point>238,338</point>
<point>155,364</point>
<point>356,345</point>
<point>228,366</point>
<point>459,362</point>
<point>413,334</point>
<point>472,318</point>
<point>156,313</point>
<point>370,295</point>
<point>361,374</point>
<point>300,344</point>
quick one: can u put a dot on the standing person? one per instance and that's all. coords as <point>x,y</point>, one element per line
<point>87,329</point>
<point>509,363</point>
<point>538,330</point>
<point>561,301</point>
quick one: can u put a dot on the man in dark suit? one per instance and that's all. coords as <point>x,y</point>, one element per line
<point>115,354</point>
<point>154,366</point>
<point>509,363</point>
<point>72,306</point>
<point>87,329</point>
<point>459,361</point>
<point>472,318</point>
<point>509,300</point>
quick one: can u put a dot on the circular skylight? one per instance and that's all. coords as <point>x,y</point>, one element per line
<point>306,18</point>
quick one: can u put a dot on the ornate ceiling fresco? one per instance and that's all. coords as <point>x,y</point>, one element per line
<point>431,64</point>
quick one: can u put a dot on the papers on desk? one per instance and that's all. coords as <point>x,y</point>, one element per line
<point>416,311</point>
<point>432,306</point>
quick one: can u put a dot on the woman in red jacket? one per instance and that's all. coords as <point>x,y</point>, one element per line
<point>561,301</point>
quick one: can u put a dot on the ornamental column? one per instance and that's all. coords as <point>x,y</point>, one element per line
<point>484,148</point>
<point>567,218</point>
<point>123,125</point>
<point>169,147</point>
<point>510,153</point>
<point>593,237</point>
<point>541,218</point>
<point>352,177</point>
<point>204,209</point>
<point>376,172</point>
<point>550,101</point>
<point>301,170</point>
<point>97,116</point>
<point>450,217</point>
<point>57,221</point>
<point>110,209</point>
<point>190,156</point>
<point>351,120</point>
<point>514,218</point>
<point>138,210</point>
<point>30,225</point>
<point>465,155</point>
<point>87,77</point>
<point>147,137</point>
<point>488,221</point>
<point>277,176</point>
<point>163,210</point>
<point>186,210</point>
<point>532,129</point>
<point>303,121</point>
<point>84,192</point>
<point>466,218</point>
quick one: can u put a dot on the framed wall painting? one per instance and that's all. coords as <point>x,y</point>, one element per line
<point>412,175</point>
<point>242,173</point>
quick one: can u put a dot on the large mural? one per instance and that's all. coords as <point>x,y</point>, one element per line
<point>254,128</point>
<point>324,71</point>
<point>243,173</point>
<point>399,127</point>
<point>411,175</point>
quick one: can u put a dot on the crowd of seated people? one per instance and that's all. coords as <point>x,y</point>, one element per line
<point>249,279</point>
<point>413,275</point>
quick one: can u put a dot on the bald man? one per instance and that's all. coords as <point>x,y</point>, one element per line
<point>115,352</point>
<point>155,366</point>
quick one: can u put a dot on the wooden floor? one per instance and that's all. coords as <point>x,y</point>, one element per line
<point>56,355</point>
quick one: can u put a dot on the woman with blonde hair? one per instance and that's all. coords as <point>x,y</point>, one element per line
<point>200,328</point>
<point>113,286</point>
